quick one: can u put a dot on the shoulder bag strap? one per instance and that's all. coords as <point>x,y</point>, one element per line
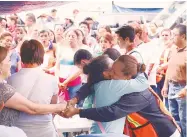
<point>99,123</point>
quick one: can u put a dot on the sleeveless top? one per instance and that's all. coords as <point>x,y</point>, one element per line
<point>67,66</point>
<point>49,57</point>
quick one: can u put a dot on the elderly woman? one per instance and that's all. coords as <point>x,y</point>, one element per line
<point>38,87</point>
<point>14,102</point>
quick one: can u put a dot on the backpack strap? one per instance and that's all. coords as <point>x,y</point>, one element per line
<point>134,51</point>
<point>141,59</point>
<point>101,127</point>
<point>99,123</point>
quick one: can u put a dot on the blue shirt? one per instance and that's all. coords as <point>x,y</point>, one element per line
<point>108,92</point>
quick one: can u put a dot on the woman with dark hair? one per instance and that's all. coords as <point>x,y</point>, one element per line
<point>91,41</point>
<point>99,69</point>
<point>81,36</point>
<point>59,30</point>
<point>143,103</point>
<point>66,71</point>
<point>38,87</point>
<point>52,36</point>
<point>82,40</point>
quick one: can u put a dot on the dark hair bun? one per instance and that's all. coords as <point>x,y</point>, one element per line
<point>141,68</point>
<point>86,69</point>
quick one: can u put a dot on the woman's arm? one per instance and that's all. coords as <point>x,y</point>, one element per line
<point>127,104</point>
<point>81,94</point>
<point>73,76</point>
<point>122,87</point>
<point>20,103</point>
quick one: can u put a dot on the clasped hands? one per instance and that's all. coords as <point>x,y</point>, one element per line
<point>70,109</point>
<point>62,86</point>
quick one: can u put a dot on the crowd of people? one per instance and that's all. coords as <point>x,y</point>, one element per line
<point>129,81</point>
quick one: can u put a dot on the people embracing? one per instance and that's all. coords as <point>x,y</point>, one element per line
<point>152,110</point>
<point>127,77</point>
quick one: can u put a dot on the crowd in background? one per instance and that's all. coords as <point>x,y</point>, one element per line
<point>47,67</point>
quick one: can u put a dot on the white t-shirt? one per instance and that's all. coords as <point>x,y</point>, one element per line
<point>45,85</point>
<point>37,86</point>
<point>151,53</point>
<point>135,53</point>
<point>117,47</point>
